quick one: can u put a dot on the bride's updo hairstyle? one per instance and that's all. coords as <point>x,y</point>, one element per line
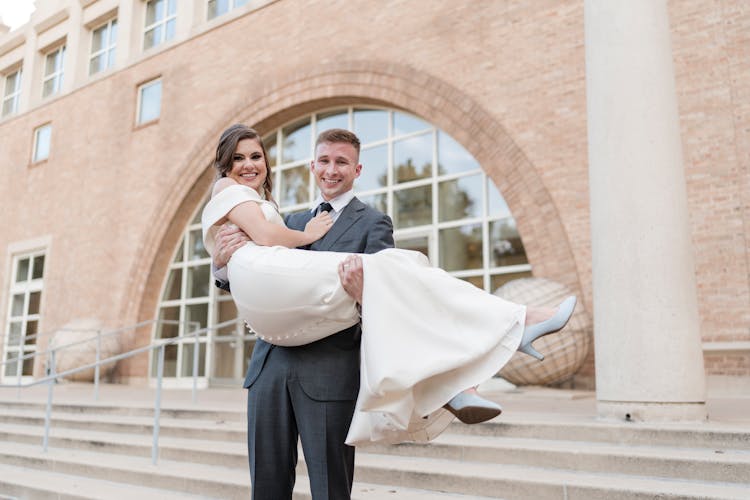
<point>225,154</point>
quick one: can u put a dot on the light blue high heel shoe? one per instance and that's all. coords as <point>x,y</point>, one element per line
<point>556,323</point>
<point>470,408</point>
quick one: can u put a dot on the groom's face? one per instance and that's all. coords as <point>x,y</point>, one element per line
<point>335,167</point>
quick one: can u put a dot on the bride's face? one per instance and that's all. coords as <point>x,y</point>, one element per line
<point>249,164</point>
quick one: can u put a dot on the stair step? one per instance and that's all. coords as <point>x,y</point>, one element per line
<point>519,481</point>
<point>30,483</point>
<point>200,479</point>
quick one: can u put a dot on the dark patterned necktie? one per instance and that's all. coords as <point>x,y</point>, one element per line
<point>324,207</point>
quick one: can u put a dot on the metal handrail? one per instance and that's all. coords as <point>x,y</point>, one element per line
<point>158,344</point>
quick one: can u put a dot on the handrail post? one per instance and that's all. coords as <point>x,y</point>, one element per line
<point>48,412</point>
<point>195,365</point>
<point>96,368</point>
<point>157,405</point>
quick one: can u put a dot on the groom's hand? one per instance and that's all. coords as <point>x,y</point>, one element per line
<point>228,240</point>
<point>352,276</point>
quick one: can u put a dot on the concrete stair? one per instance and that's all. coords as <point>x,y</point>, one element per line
<point>104,451</point>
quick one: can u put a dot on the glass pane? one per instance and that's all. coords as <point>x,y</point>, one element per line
<point>374,172</point>
<point>377,201</point>
<point>412,158</point>
<point>43,136</point>
<point>496,206</point>
<point>98,39</point>
<point>149,39</point>
<point>199,213</point>
<point>48,87</point>
<point>10,83</point>
<point>294,186</point>
<point>477,281</point>
<point>270,144</point>
<point>96,64</point>
<point>240,3</point>
<point>150,102</point>
<point>168,330</point>
<point>178,254</point>
<point>498,280</point>
<point>336,119</point>
<point>34,298</point>
<point>297,142</point>
<point>196,248</point>
<point>187,359</point>
<point>154,11</point>
<point>223,359</point>
<point>405,124</point>
<point>226,311</point>
<point>198,281</point>
<point>11,368</point>
<point>170,29</point>
<point>172,7</point>
<point>111,55</point>
<point>174,285</point>
<point>50,63</point>
<point>506,248</point>
<point>412,207</point>
<point>170,360</point>
<point>370,124</point>
<point>460,198</point>
<point>452,157</point>
<point>113,33</point>
<point>14,333</point>
<point>9,106</point>
<point>461,247</point>
<point>22,270</point>
<point>197,313</point>
<point>418,243</point>
<point>31,330</point>
<point>17,307</point>
<point>28,366</point>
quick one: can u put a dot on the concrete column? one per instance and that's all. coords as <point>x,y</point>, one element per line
<point>649,363</point>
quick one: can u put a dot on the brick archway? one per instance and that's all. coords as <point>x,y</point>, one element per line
<point>288,96</point>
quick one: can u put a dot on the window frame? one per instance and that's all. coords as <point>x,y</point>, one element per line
<point>139,111</point>
<point>34,150</point>
<point>232,5</point>
<point>158,22</point>
<point>58,74</point>
<point>108,50</point>
<point>15,95</point>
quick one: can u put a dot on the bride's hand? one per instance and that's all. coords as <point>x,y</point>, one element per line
<point>318,226</point>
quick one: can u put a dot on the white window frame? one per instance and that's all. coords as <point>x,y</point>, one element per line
<point>14,95</point>
<point>25,288</point>
<point>159,22</point>
<point>139,111</point>
<point>232,5</point>
<point>109,49</point>
<point>57,74</point>
<point>35,158</point>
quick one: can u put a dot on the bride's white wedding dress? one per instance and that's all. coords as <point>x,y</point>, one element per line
<point>426,335</point>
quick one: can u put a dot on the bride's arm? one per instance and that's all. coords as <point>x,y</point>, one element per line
<point>249,217</point>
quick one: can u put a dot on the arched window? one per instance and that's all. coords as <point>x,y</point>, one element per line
<point>438,196</point>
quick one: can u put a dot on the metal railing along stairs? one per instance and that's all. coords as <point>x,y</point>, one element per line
<point>52,376</point>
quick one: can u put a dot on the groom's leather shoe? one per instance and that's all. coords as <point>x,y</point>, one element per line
<point>470,408</point>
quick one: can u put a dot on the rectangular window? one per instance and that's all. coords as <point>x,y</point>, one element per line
<point>219,7</point>
<point>149,101</point>
<point>161,18</point>
<point>53,72</point>
<point>42,138</point>
<point>12,93</point>
<point>24,314</point>
<point>103,44</point>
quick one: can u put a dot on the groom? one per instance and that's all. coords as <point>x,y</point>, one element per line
<point>308,392</point>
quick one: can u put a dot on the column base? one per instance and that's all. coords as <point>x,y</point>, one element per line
<point>641,411</point>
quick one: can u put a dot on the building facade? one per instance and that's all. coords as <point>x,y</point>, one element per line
<point>474,130</point>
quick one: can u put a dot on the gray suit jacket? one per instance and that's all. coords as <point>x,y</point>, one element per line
<point>329,368</point>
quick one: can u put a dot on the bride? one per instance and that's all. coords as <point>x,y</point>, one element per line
<point>426,336</point>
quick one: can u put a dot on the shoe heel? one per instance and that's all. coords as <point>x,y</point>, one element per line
<point>528,349</point>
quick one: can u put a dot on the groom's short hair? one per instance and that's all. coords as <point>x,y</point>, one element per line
<point>338,135</point>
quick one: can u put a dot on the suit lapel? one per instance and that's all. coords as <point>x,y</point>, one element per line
<point>351,214</point>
